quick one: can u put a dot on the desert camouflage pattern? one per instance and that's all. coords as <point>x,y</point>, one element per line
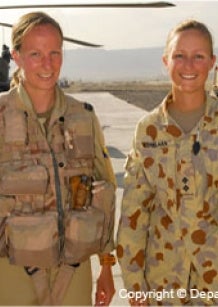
<point>28,197</point>
<point>27,176</point>
<point>168,231</point>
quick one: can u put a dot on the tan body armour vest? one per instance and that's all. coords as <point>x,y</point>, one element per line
<point>36,200</point>
<point>39,188</point>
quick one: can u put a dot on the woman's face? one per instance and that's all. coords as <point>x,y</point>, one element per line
<point>189,61</point>
<point>40,57</point>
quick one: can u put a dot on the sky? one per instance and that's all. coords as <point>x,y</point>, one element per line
<point>120,28</point>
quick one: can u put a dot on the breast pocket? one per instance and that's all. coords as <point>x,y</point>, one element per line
<point>159,164</point>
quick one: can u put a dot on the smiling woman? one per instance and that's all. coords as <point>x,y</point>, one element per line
<point>55,140</point>
<point>189,57</point>
<point>168,230</point>
<point>39,59</point>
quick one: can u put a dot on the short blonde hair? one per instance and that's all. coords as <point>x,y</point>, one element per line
<point>189,24</point>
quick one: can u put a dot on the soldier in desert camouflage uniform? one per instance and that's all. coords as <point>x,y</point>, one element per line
<point>49,141</point>
<point>168,231</point>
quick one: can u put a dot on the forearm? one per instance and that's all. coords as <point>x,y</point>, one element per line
<point>105,284</point>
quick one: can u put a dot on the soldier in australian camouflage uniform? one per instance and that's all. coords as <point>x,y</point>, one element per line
<point>168,232</point>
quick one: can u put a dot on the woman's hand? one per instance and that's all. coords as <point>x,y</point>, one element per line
<point>105,286</point>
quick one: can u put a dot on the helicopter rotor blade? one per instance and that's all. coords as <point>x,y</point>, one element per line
<point>67,39</point>
<point>79,42</point>
<point>159,4</point>
<point>4,24</point>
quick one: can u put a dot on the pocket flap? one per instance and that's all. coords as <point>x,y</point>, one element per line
<point>26,180</point>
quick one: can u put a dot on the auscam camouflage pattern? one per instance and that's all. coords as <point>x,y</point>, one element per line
<point>168,232</point>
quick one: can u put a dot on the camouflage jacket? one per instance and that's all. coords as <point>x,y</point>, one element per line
<point>168,227</point>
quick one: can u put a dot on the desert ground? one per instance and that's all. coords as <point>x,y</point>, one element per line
<point>143,94</point>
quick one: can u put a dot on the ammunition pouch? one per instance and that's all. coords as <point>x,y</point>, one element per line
<point>87,231</point>
<point>33,240</point>
<point>83,234</point>
<point>31,179</point>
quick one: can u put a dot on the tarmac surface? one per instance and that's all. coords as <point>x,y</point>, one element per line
<point>118,120</point>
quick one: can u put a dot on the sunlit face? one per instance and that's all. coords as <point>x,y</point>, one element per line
<point>189,61</point>
<point>40,57</point>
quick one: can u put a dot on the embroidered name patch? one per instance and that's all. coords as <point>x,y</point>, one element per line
<point>154,144</point>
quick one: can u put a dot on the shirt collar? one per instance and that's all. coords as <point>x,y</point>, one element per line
<point>211,105</point>
<point>24,102</point>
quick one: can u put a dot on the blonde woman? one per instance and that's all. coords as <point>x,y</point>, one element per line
<point>168,233</point>
<point>52,157</point>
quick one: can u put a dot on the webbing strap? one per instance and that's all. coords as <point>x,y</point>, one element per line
<point>41,282</point>
<point>45,294</point>
<point>42,287</point>
<point>58,201</point>
<point>61,284</point>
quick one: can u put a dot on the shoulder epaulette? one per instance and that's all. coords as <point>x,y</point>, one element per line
<point>88,106</point>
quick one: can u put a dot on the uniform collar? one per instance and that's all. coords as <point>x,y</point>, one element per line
<point>211,107</point>
<point>24,102</point>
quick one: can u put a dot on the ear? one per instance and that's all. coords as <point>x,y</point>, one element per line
<point>16,57</point>
<point>164,60</point>
<point>213,61</point>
